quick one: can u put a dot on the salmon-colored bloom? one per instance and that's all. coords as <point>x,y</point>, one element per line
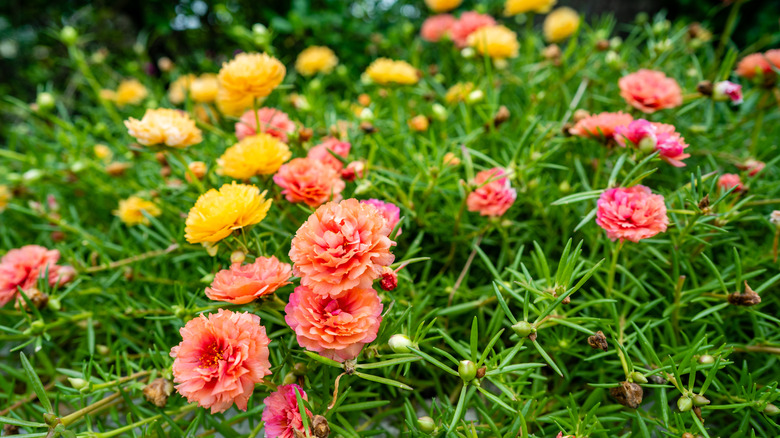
<point>390,212</point>
<point>435,28</point>
<point>272,121</point>
<point>310,181</point>
<point>729,180</point>
<point>343,245</point>
<point>281,414</point>
<point>131,210</point>
<point>22,267</point>
<point>335,327</point>
<point>650,90</point>
<point>164,126</point>
<point>384,71</point>
<point>320,152</point>
<point>242,284</point>
<point>220,359</point>
<point>468,23</point>
<point>494,193</point>
<point>600,126</point>
<point>216,214</point>
<point>753,65</point>
<point>316,59</point>
<point>631,213</point>
<point>260,154</point>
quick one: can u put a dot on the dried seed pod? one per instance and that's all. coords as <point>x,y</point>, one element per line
<point>320,427</point>
<point>746,298</point>
<point>598,341</point>
<point>158,391</point>
<point>627,394</point>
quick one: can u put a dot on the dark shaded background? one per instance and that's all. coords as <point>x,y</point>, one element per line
<point>133,34</point>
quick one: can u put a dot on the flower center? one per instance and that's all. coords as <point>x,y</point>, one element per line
<point>333,308</point>
<point>211,356</point>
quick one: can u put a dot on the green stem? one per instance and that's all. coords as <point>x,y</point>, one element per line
<point>194,179</point>
<point>613,268</point>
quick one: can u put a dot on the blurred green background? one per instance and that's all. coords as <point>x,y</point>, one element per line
<point>198,34</point>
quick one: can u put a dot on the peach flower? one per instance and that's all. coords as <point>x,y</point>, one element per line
<point>753,65</point>
<point>493,195</point>
<point>334,327</point>
<point>600,126</point>
<point>22,267</point>
<point>281,415</point>
<point>390,212</point>
<point>729,180</point>
<point>343,245</point>
<point>434,28</point>
<point>468,23</point>
<point>320,152</point>
<point>650,90</point>
<point>272,121</point>
<point>242,284</point>
<point>309,181</point>
<point>631,213</point>
<point>220,359</point>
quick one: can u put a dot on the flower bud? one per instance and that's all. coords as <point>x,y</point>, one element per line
<point>418,123</point>
<point>467,53</point>
<point>700,400</point>
<point>366,114</point>
<point>638,377</point>
<point>523,328</point>
<point>299,369</point>
<point>315,84</point>
<point>197,168</point>
<point>647,144</point>
<point>475,96</point>
<point>45,101</point>
<point>684,404</point>
<point>771,409</point>
<point>400,343</point>
<point>50,419</point>
<point>69,35</point>
<point>237,257</point>
<point>613,60</point>
<point>389,280</point>
<point>467,370</point>
<point>426,424</point>
<point>77,383</point>
<point>706,359</point>
<point>289,378</point>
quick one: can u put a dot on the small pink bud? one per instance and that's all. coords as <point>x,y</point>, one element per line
<point>389,280</point>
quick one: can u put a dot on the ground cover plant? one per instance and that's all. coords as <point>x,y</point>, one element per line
<point>513,221</point>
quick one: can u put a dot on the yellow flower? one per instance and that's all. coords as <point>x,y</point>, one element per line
<point>164,126</point>
<point>261,154</point>
<point>216,214</point>
<point>177,92</point>
<point>204,88</point>
<point>560,24</point>
<point>131,211</point>
<point>459,92</point>
<point>102,152</point>
<point>130,91</point>
<point>248,76</point>
<point>418,123</point>
<point>5,196</point>
<point>514,7</point>
<point>385,71</point>
<point>442,5</point>
<point>316,59</point>
<point>495,41</point>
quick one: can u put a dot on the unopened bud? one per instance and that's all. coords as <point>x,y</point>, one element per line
<point>77,383</point>
<point>706,359</point>
<point>389,280</point>
<point>771,409</point>
<point>50,419</point>
<point>684,404</point>
<point>197,168</point>
<point>426,424</point>
<point>299,369</point>
<point>638,377</point>
<point>468,53</point>
<point>523,328</point>
<point>69,35</point>
<point>45,101</point>
<point>475,96</point>
<point>237,257</point>
<point>289,378</point>
<point>439,112</point>
<point>400,343</point>
<point>700,400</point>
<point>467,370</point>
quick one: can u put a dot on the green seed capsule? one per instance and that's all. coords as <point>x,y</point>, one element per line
<point>426,424</point>
<point>523,328</point>
<point>700,400</point>
<point>684,404</point>
<point>467,370</point>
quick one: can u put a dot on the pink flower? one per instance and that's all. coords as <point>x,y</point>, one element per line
<point>354,170</point>
<point>272,121</point>
<point>650,90</point>
<point>725,90</point>
<point>243,284</point>
<point>753,65</point>
<point>334,327</point>
<point>729,180</point>
<point>671,144</point>
<point>343,245</point>
<point>493,195</point>
<point>309,181</point>
<point>600,126</point>
<point>753,166</point>
<point>434,28</point>
<point>21,268</point>
<point>390,212</point>
<point>631,213</point>
<point>639,133</point>
<point>320,152</point>
<point>467,24</point>
<point>220,359</point>
<point>281,415</point>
